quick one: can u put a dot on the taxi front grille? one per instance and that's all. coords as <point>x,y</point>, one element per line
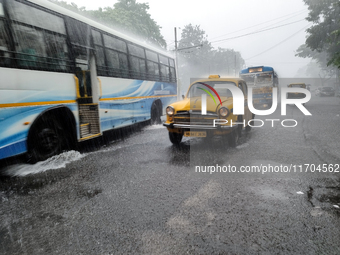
<point>195,119</point>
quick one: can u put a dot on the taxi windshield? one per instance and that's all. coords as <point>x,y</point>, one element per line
<point>199,88</point>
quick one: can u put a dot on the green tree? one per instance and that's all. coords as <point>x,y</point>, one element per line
<point>198,59</point>
<point>195,48</point>
<point>127,16</point>
<point>226,62</point>
<point>132,17</point>
<point>72,6</point>
<point>324,33</point>
<point>194,45</point>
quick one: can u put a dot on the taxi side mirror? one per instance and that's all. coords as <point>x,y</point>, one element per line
<point>183,96</point>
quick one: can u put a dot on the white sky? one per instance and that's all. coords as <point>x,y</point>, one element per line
<point>222,19</point>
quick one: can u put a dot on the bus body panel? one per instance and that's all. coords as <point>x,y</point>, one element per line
<point>125,101</point>
<point>14,130</point>
<point>20,87</point>
<point>25,94</point>
<point>35,92</point>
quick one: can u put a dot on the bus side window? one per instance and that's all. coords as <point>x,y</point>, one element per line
<point>39,38</point>
<point>172,71</point>
<point>152,65</point>
<point>165,71</point>
<point>116,56</point>
<point>137,67</point>
<point>30,46</point>
<point>4,53</point>
<point>117,63</point>
<point>153,70</point>
<point>56,50</point>
<point>100,55</point>
<point>79,35</point>
<point>137,61</point>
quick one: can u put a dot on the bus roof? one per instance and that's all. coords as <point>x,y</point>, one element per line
<point>56,8</point>
<point>256,69</point>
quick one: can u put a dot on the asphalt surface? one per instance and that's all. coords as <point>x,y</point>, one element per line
<point>141,195</point>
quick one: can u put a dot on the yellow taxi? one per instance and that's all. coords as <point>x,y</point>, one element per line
<point>296,94</point>
<point>207,110</point>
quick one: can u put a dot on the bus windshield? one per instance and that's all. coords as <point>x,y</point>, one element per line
<point>264,80</point>
<point>260,76</point>
<point>249,79</point>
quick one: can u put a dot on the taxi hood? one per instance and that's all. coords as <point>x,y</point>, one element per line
<point>195,104</point>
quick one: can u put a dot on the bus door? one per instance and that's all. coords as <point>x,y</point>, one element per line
<point>85,78</point>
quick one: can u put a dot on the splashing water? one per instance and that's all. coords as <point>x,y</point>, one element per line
<point>55,162</point>
<point>157,126</point>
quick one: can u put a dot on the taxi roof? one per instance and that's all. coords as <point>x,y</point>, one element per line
<point>298,83</point>
<point>232,79</point>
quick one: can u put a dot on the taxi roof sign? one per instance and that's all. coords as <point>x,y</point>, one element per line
<point>214,76</point>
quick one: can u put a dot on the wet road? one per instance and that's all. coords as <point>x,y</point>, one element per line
<point>141,195</point>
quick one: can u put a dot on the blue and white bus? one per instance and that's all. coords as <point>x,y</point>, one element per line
<point>262,79</point>
<point>67,79</point>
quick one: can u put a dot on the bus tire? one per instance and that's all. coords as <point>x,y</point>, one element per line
<point>156,113</point>
<point>46,139</point>
<point>175,138</point>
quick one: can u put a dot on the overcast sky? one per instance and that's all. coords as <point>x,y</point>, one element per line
<point>224,20</point>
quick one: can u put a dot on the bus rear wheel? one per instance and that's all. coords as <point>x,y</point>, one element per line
<point>46,140</point>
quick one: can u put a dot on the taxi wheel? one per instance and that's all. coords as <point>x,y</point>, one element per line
<point>240,126</point>
<point>175,138</point>
<point>233,138</point>
<point>248,128</point>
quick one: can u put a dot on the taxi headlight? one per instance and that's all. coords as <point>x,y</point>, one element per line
<point>170,110</point>
<point>223,112</point>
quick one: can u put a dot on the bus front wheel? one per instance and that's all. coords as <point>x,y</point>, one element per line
<point>45,140</point>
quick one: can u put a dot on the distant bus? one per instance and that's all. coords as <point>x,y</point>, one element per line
<point>262,79</point>
<point>67,79</point>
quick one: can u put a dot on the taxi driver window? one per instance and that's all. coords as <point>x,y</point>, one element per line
<point>198,89</point>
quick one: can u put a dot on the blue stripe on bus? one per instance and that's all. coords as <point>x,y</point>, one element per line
<point>13,149</point>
